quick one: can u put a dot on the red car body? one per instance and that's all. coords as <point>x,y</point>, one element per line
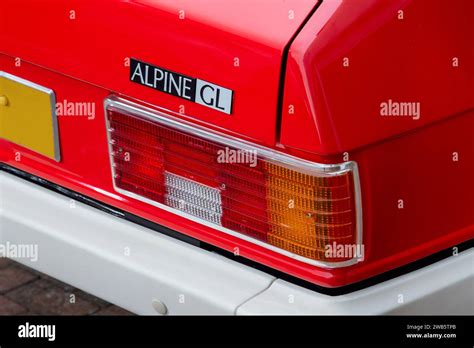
<point>308,78</point>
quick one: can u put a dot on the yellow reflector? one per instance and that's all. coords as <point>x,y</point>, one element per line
<point>27,115</point>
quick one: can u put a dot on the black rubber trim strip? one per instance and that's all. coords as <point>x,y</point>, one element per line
<point>284,61</point>
<point>206,246</point>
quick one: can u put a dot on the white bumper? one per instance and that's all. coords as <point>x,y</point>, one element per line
<point>133,267</point>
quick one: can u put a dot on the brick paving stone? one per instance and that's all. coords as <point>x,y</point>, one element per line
<point>29,292</point>
<point>55,282</point>
<point>43,283</point>
<point>12,277</point>
<point>51,301</point>
<point>8,307</point>
<point>4,262</point>
<point>25,293</point>
<point>113,310</point>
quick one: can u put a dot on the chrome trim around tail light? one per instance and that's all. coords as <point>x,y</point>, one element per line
<point>170,119</point>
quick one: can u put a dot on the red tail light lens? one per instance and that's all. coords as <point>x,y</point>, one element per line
<point>292,206</point>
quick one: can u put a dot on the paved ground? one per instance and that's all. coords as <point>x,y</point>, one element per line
<point>24,291</point>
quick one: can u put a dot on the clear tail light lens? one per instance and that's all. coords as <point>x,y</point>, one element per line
<point>295,207</point>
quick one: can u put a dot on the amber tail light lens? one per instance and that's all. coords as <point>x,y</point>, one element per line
<point>295,207</point>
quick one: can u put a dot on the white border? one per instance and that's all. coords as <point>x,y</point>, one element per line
<point>165,117</point>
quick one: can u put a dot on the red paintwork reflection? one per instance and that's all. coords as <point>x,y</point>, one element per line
<point>337,101</point>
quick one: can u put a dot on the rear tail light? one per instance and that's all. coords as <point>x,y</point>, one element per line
<point>294,207</point>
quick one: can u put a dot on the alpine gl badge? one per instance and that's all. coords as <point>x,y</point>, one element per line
<point>190,88</point>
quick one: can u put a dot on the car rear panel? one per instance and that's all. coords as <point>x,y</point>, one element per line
<point>352,56</point>
<point>227,43</point>
<point>86,63</point>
